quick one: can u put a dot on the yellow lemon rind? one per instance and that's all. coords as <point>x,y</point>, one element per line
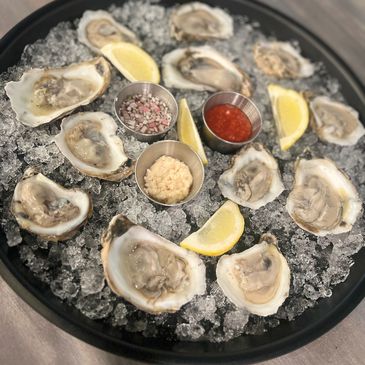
<point>193,242</point>
<point>195,142</point>
<point>109,52</point>
<point>276,91</point>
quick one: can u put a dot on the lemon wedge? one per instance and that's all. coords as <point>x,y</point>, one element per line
<point>187,131</point>
<point>132,61</point>
<point>291,114</point>
<point>219,234</point>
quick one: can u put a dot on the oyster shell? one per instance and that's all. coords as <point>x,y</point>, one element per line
<point>203,68</point>
<point>43,95</point>
<point>323,200</point>
<point>198,21</point>
<point>149,271</point>
<point>98,28</point>
<point>282,60</point>
<point>89,142</point>
<point>48,210</point>
<point>254,178</point>
<point>335,122</point>
<point>257,279</point>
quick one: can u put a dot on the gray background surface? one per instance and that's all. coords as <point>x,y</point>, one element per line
<point>27,338</point>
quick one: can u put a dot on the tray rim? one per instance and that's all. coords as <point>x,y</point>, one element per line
<point>24,290</point>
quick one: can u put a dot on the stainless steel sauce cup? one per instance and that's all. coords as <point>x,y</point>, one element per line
<point>175,149</point>
<point>146,88</point>
<point>242,102</point>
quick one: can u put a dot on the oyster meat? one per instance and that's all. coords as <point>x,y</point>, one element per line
<point>149,271</point>
<point>198,21</point>
<point>254,178</point>
<point>89,142</point>
<point>43,95</point>
<point>203,68</point>
<point>98,28</point>
<point>282,60</point>
<point>323,200</point>
<point>335,122</point>
<point>48,210</point>
<point>257,279</point>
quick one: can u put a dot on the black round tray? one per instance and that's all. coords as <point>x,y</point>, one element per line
<point>286,337</point>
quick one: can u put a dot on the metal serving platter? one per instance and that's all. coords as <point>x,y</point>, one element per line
<point>284,338</point>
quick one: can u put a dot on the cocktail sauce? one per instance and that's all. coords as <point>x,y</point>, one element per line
<point>229,123</point>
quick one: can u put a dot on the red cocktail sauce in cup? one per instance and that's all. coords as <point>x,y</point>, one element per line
<point>229,123</point>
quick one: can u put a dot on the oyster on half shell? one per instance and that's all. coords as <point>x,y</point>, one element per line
<point>335,122</point>
<point>149,271</point>
<point>203,68</point>
<point>254,178</point>
<point>98,28</point>
<point>43,95</point>
<point>48,210</point>
<point>282,60</point>
<point>89,142</point>
<point>323,200</point>
<point>257,279</point>
<point>198,21</point>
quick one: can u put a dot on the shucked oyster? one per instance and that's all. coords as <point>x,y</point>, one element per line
<point>254,178</point>
<point>149,271</point>
<point>323,200</point>
<point>42,95</point>
<point>335,122</point>
<point>198,21</point>
<point>203,68</point>
<point>90,143</point>
<point>47,209</point>
<point>282,60</point>
<point>98,28</point>
<point>257,279</point>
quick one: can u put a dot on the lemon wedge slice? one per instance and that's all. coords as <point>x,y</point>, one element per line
<point>132,61</point>
<point>187,131</point>
<point>291,114</point>
<point>219,234</point>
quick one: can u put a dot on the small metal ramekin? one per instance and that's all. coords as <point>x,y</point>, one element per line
<point>246,105</point>
<point>175,149</point>
<point>146,88</point>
